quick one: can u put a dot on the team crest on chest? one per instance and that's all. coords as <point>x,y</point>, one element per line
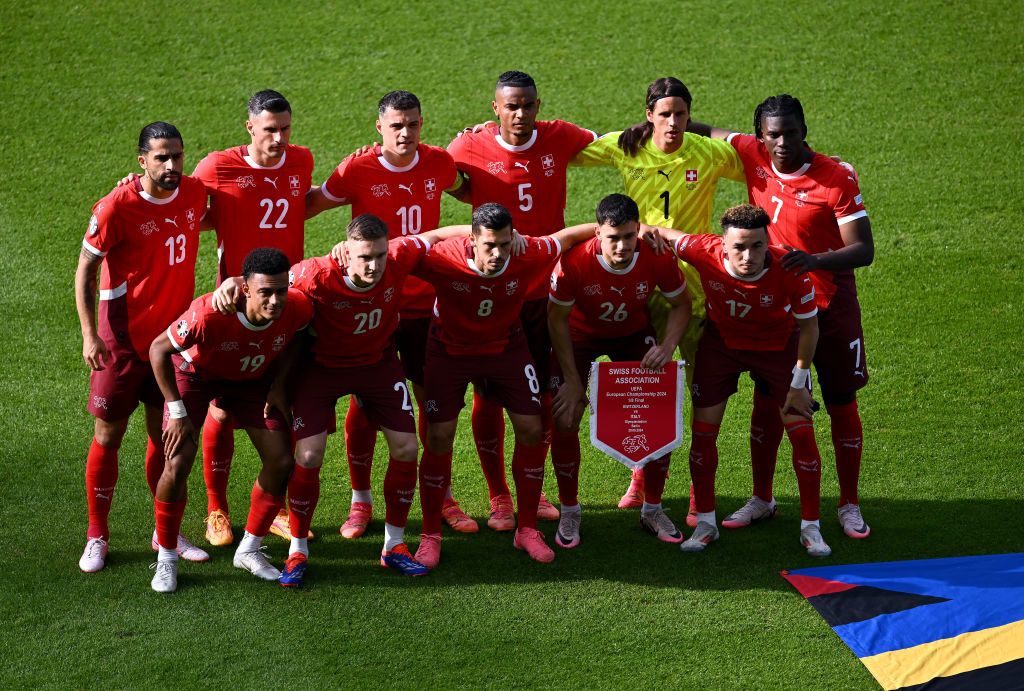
<point>593,289</point>
<point>278,343</point>
<point>460,287</point>
<point>380,190</point>
<point>636,174</point>
<point>342,305</point>
<point>691,178</point>
<point>229,346</point>
<point>716,286</point>
<point>389,294</point>
<point>245,181</point>
<point>511,287</point>
<point>496,168</point>
<point>430,187</point>
<point>149,227</point>
<point>767,300</point>
<point>190,215</point>
<point>642,290</point>
<point>293,185</point>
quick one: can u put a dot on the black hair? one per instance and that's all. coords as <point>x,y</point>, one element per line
<point>398,100</point>
<point>616,209</point>
<point>778,106</point>
<point>491,216</point>
<point>157,130</point>
<point>745,216</point>
<point>515,79</point>
<point>270,101</point>
<point>366,227</point>
<point>265,260</point>
<point>635,136</point>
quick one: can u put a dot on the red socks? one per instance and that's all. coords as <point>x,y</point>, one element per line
<point>218,448</point>
<point>565,458</point>
<point>528,473</point>
<point>303,495</point>
<point>848,440</point>
<point>399,489</point>
<point>154,464</point>
<point>435,477</point>
<point>765,436</point>
<point>168,522</point>
<point>655,474</point>
<point>489,436</point>
<point>100,479</point>
<point>360,439</point>
<point>263,509</point>
<point>807,464</point>
<point>703,464</point>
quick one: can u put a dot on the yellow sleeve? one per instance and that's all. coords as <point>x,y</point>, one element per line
<point>728,160</point>
<point>603,151</point>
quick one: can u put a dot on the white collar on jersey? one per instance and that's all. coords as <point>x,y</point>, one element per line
<point>157,200</point>
<point>397,169</point>
<point>352,286</point>
<point>522,147</point>
<point>789,176</point>
<point>472,265</point>
<point>249,325</point>
<point>618,272</point>
<point>746,279</point>
<point>257,166</point>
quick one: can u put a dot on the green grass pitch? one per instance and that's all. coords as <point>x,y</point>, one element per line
<point>923,97</point>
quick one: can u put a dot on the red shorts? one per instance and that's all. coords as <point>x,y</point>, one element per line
<point>244,400</point>
<point>840,360</point>
<point>623,349</point>
<point>116,390</point>
<point>508,377</point>
<point>411,340</point>
<point>717,369</point>
<point>534,319</point>
<point>380,387</point>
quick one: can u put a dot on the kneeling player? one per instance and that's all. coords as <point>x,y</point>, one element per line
<point>207,356</point>
<point>476,337</point>
<point>599,306</point>
<point>751,304</point>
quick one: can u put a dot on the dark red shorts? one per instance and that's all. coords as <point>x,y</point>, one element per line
<point>116,391</point>
<point>508,377</point>
<point>534,319</point>
<point>411,340</point>
<point>717,369</point>
<point>244,400</point>
<point>622,349</point>
<point>840,360</point>
<point>380,387</point>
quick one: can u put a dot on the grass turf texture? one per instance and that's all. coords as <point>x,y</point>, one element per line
<point>922,97</point>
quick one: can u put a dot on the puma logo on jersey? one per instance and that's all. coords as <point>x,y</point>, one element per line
<point>662,172</point>
<point>535,399</point>
<point>407,188</point>
<point>522,164</point>
<point>272,181</point>
<point>617,290</point>
<point>256,344</point>
<point>741,293</point>
<point>489,289</point>
<point>172,221</point>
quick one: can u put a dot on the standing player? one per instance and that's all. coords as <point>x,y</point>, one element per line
<point>521,165</point>
<point>752,301</point>
<point>356,318</point>
<point>231,358</point>
<point>818,213</point>
<point>599,306</point>
<point>476,337</point>
<point>400,181</point>
<point>672,174</point>
<point>146,235</point>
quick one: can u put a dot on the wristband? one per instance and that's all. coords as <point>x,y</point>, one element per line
<point>176,410</point>
<point>801,378</point>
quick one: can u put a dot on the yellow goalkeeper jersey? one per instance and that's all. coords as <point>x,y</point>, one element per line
<point>675,190</point>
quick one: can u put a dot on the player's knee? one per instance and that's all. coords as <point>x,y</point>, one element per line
<point>109,435</point>
<point>218,414</point>
<point>530,433</point>
<point>404,448</point>
<point>311,458</point>
<point>440,440</point>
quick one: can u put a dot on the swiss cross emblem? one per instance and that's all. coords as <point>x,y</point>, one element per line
<point>278,342</point>
<point>430,185</point>
<point>389,294</point>
<point>293,181</point>
<point>511,287</point>
<point>691,175</point>
<point>547,161</point>
<point>641,290</point>
<point>190,215</point>
<point>767,300</point>
<point>380,191</point>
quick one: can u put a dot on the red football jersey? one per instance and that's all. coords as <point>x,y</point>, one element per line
<point>215,346</point>
<point>806,207</point>
<point>149,248</point>
<point>607,302</point>
<point>751,313</point>
<point>253,206</point>
<point>407,199</point>
<point>476,313</point>
<point>353,325</point>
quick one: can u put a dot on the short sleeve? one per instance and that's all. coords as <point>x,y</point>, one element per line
<point>563,284</point>
<point>187,330</point>
<point>728,159</point>
<point>671,281</point>
<point>801,297</point>
<point>604,151</point>
<point>103,232</point>
<point>338,186</point>
<point>846,200</point>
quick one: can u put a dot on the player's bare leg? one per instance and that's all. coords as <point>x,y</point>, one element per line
<point>435,477</point>
<point>218,441</point>
<point>266,500</point>
<point>528,473</point>
<point>101,467</point>
<point>399,489</point>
